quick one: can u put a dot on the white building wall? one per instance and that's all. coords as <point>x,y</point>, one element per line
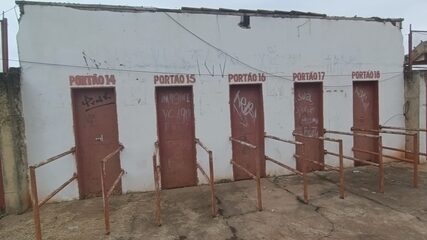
<point>54,40</point>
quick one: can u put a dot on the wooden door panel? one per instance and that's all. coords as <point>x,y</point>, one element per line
<point>95,121</point>
<point>247,124</point>
<point>175,124</point>
<point>365,116</point>
<point>308,100</point>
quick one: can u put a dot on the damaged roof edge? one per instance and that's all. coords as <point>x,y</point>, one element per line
<point>220,11</point>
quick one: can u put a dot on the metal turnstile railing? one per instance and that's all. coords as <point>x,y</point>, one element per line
<point>257,176</point>
<point>34,196</point>
<point>106,192</point>
<point>414,154</point>
<point>302,173</point>
<point>379,165</point>
<point>157,179</point>
<point>339,155</point>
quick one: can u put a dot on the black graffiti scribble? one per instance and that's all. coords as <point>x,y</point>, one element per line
<point>97,101</point>
<point>97,106</point>
<point>87,101</point>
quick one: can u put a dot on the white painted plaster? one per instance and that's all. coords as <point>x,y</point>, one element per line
<point>151,41</point>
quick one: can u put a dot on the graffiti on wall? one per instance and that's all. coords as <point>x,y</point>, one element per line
<point>363,96</point>
<point>177,107</point>
<point>246,109</point>
<point>306,113</point>
<point>95,101</point>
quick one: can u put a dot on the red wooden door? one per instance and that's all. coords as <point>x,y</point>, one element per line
<point>95,123</point>
<point>365,116</point>
<point>2,202</point>
<point>308,101</point>
<point>176,133</point>
<point>247,124</point>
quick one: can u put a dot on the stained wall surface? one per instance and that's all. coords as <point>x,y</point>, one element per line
<point>421,77</point>
<point>63,47</point>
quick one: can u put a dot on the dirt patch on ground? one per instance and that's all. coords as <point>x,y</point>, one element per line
<point>399,213</point>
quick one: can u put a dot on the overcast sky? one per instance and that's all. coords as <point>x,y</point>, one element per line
<point>413,11</point>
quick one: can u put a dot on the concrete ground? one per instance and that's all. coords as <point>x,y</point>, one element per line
<point>399,213</point>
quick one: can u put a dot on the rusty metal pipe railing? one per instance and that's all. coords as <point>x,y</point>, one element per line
<point>408,130</point>
<point>258,170</point>
<point>210,178</point>
<point>243,143</point>
<point>351,134</point>
<point>283,140</point>
<point>399,158</point>
<point>383,131</point>
<point>302,173</point>
<point>49,160</point>
<point>415,152</point>
<point>203,172</point>
<point>157,180</point>
<point>283,165</point>
<point>380,163</point>
<point>105,191</point>
<point>365,151</point>
<point>56,191</point>
<point>122,172</point>
<point>396,149</point>
<point>354,159</point>
<point>329,167</point>
<point>112,154</point>
<point>202,145</point>
<point>341,164</point>
<point>396,132</point>
<point>415,148</point>
<point>404,129</point>
<point>33,191</point>
<point>340,156</point>
<point>253,176</point>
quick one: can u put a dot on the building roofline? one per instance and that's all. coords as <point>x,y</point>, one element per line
<point>220,11</point>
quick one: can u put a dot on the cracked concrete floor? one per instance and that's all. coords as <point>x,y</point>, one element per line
<point>399,213</point>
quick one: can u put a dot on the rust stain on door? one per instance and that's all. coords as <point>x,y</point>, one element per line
<point>247,124</point>
<point>176,133</point>
<point>365,116</point>
<point>308,100</point>
<point>95,123</point>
